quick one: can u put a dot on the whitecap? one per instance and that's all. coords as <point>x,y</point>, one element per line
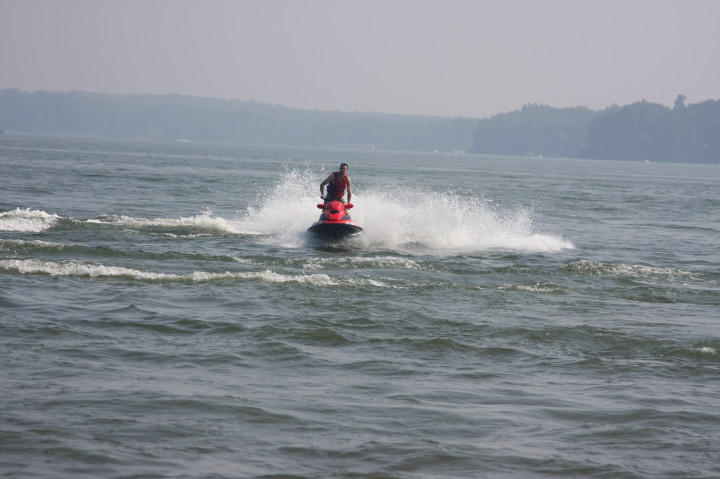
<point>205,222</point>
<point>52,268</point>
<point>629,270</point>
<point>15,245</point>
<point>78,269</point>
<point>27,220</point>
<point>381,262</point>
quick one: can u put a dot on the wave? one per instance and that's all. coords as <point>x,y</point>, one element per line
<point>416,220</point>
<point>78,269</point>
<point>706,350</point>
<point>338,262</point>
<point>24,247</point>
<point>88,270</point>
<point>204,223</point>
<point>34,247</point>
<point>36,221</point>
<point>365,262</point>
<point>539,288</point>
<point>633,270</point>
<point>27,220</point>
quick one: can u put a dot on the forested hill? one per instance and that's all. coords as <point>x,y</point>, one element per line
<point>536,130</point>
<point>174,117</point>
<point>640,131</point>
<point>648,131</point>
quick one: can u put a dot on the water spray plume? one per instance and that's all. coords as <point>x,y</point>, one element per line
<point>413,220</point>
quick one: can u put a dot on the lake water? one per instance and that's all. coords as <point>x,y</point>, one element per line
<point>163,314</point>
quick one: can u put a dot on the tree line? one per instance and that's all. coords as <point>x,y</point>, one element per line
<point>639,131</point>
<point>175,117</point>
<point>648,131</point>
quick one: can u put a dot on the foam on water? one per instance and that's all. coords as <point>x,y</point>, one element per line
<point>450,223</point>
<point>23,245</point>
<point>371,262</point>
<point>417,220</point>
<point>53,268</point>
<point>285,210</point>
<point>205,222</point>
<point>27,220</point>
<point>631,270</point>
<point>78,269</point>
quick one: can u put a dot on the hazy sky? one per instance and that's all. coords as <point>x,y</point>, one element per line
<point>469,58</point>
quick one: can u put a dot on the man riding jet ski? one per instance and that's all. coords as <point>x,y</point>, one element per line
<point>337,182</point>
<point>335,222</point>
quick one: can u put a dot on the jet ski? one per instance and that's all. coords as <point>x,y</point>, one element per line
<point>335,223</point>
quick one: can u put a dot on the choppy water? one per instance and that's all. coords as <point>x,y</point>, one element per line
<point>164,315</point>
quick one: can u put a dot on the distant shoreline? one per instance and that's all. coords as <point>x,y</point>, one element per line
<point>642,130</point>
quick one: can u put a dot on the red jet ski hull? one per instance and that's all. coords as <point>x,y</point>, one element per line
<point>327,231</point>
<point>335,223</point>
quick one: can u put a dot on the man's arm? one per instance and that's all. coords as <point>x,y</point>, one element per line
<point>322,186</point>
<point>349,188</point>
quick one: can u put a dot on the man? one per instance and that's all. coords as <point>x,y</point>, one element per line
<point>337,182</point>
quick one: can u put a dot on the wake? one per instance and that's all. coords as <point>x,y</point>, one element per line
<point>418,221</point>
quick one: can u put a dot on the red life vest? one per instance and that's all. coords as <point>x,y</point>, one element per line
<point>337,186</point>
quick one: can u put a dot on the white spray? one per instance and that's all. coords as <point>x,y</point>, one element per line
<point>412,220</point>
